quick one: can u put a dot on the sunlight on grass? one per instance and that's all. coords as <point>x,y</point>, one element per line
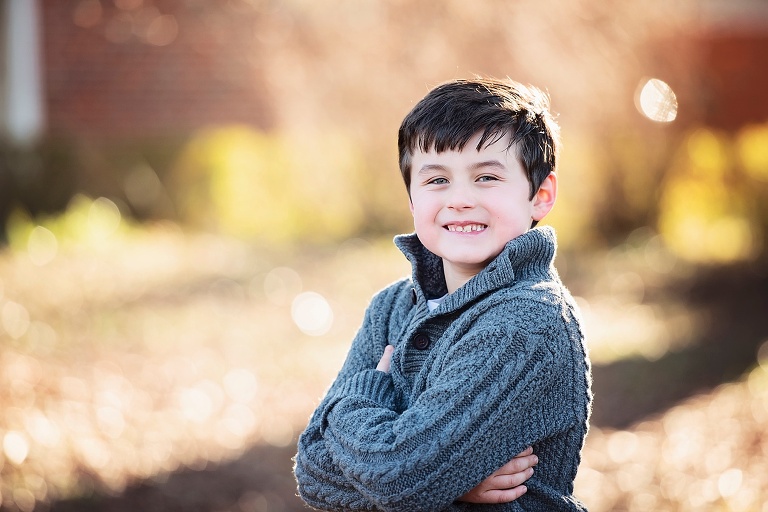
<point>163,350</point>
<point>619,321</point>
<point>281,285</point>
<point>707,453</point>
<point>159,351</point>
<point>15,319</point>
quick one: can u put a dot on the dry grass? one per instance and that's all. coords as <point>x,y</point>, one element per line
<point>161,351</point>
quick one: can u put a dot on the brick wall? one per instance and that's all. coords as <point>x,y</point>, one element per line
<point>119,68</point>
<point>160,67</point>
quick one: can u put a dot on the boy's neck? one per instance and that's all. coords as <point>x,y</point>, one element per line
<point>456,277</point>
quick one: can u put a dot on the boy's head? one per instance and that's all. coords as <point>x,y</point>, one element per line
<point>450,115</point>
<point>477,157</point>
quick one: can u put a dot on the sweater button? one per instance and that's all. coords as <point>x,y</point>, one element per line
<point>420,341</point>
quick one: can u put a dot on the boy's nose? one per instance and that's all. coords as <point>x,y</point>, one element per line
<point>460,197</point>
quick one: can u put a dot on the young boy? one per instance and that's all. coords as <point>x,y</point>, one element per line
<point>479,355</point>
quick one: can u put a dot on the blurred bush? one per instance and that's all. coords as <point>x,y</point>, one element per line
<point>712,204</point>
<point>85,223</point>
<point>704,191</point>
<point>41,180</point>
<point>330,86</point>
<point>273,188</point>
<point>38,178</point>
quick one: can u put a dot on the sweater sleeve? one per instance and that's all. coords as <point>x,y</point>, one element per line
<point>321,484</point>
<point>491,395</point>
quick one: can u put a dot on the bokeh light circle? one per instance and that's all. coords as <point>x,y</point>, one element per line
<point>280,284</point>
<point>42,246</point>
<point>14,318</point>
<point>15,447</point>
<point>312,314</point>
<point>657,101</point>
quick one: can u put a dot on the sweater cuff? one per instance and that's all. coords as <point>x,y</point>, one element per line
<point>372,385</point>
<point>375,385</point>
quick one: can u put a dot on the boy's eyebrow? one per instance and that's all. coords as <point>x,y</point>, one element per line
<point>431,167</point>
<point>488,163</point>
<point>426,168</point>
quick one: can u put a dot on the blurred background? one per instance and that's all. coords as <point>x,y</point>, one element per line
<point>197,201</point>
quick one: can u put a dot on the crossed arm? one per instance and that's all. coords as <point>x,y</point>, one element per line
<point>329,479</point>
<point>503,485</point>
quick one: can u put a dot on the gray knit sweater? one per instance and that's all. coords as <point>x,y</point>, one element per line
<point>500,365</point>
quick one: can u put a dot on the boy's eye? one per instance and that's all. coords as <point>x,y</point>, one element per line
<point>487,178</point>
<point>437,181</point>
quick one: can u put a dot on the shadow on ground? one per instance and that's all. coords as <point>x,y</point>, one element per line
<point>259,481</point>
<point>736,304</point>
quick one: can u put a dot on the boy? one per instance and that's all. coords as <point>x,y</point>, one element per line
<point>477,356</point>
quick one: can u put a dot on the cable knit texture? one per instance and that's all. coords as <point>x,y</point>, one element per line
<point>498,366</point>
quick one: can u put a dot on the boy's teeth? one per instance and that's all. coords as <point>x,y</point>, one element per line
<point>467,228</point>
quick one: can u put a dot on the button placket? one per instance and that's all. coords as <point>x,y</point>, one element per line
<point>420,341</point>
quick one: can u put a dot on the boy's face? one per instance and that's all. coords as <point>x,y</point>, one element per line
<point>468,204</point>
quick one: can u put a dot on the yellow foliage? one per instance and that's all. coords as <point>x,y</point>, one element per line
<point>708,154</point>
<point>752,143</point>
<point>576,188</point>
<point>702,216</point>
<point>269,188</point>
<point>87,222</point>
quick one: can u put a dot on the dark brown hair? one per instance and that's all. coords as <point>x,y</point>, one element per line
<point>454,112</point>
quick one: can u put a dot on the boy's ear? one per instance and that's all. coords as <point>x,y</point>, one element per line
<point>545,197</point>
<point>410,203</point>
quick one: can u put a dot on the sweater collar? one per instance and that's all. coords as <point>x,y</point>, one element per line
<point>529,254</point>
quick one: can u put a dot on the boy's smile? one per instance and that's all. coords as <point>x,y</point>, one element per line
<point>465,227</point>
<point>468,204</point>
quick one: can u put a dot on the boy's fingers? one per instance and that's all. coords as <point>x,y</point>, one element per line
<point>518,464</point>
<point>511,481</point>
<point>526,452</point>
<point>505,484</point>
<point>504,496</point>
<point>385,360</point>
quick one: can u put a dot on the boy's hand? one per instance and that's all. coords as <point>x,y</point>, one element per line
<point>386,359</point>
<point>505,484</point>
